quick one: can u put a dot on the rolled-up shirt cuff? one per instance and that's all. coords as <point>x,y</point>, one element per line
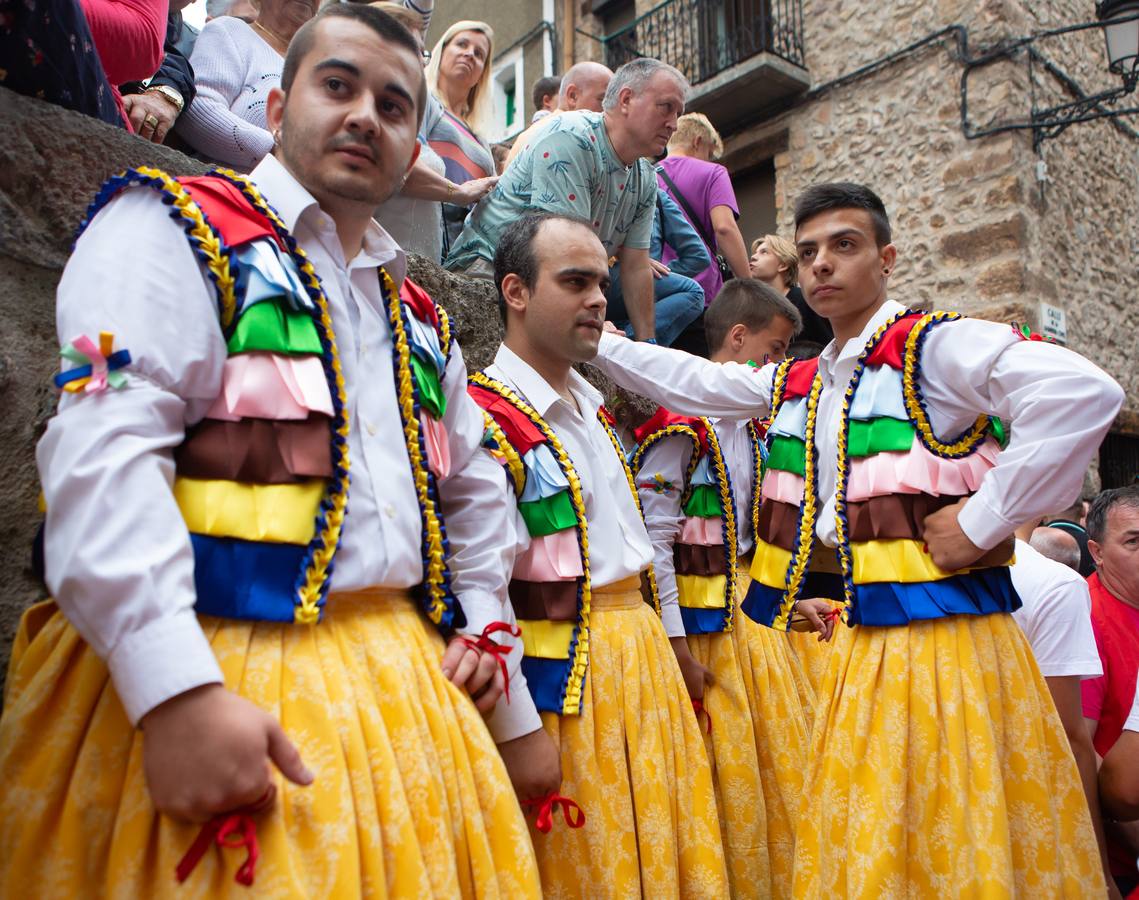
<point>982,524</point>
<point>161,660</point>
<point>519,716</point>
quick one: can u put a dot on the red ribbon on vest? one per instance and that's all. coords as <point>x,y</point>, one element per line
<point>485,644</point>
<point>573,814</point>
<point>698,707</point>
<point>233,830</point>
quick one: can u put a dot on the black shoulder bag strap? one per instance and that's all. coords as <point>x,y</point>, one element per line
<point>725,270</point>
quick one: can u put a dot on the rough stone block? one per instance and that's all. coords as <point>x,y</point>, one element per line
<point>985,241</point>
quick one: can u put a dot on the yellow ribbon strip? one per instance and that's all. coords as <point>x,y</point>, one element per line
<point>703,591</point>
<point>901,560</point>
<point>770,564</point>
<point>278,513</point>
<point>544,639</point>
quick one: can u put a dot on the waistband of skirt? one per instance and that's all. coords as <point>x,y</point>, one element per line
<point>622,594</point>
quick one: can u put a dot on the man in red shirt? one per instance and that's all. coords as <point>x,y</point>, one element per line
<point>1113,529</point>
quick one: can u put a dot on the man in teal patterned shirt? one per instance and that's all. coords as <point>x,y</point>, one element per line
<point>591,166</point>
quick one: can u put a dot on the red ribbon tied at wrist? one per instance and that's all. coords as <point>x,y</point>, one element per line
<point>485,644</point>
<point>573,814</point>
<point>231,830</point>
<point>698,707</point>
<point>835,614</point>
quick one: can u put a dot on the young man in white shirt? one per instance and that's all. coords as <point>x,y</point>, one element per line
<point>888,449</point>
<point>597,657</point>
<point>188,676</point>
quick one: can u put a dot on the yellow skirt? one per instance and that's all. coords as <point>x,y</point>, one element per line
<point>812,656</point>
<point>939,768</point>
<point>757,746</point>
<point>410,799</point>
<point>635,763</point>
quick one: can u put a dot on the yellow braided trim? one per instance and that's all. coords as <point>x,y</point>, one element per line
<point>780,383</point>
<point>620,451</point>
<point>731,539</point>
<point>918,416</point>
<point>844,557</point>
<point>757,480</point>
<point>308,610</point>
<point>514,464</point>
<point>572,704</point>
<point>806,536</point>
<point>207,239</point>
<point>444,331</point>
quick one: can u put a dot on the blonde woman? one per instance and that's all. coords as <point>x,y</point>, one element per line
<point>775,262</point>
<point>458,76</point>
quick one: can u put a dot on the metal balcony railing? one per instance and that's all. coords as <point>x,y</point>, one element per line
<point>704,37</point>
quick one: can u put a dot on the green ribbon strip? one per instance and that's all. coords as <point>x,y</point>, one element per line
<point>550,514</point>
<point>881,435</point>
<point>704,503</point>
<point>267,326</point>
<point>431,396</point>
<point>787,454</point>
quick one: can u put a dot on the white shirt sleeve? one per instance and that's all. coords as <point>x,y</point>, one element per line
<point>684,383</point>
<point>1132,723</point>
<point>1060,406</point>
<point>1056,615</point>
<point>478,513</point>
<point>117,551</point>
<point>664,467</point>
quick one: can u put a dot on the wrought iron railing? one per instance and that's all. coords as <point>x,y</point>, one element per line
<point>704,37</point>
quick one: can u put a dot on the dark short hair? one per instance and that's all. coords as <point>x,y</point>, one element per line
<point>1104,503</point>
<point>748,302</point>
<point>388,28</point>
<point>821,198</point>
<point>515,254</point>
<point>804,349</point>
<point>545,87</point>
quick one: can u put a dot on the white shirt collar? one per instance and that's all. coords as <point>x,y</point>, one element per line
<point>832,354</point>
<point>538,392</point>
<point>292,203</point>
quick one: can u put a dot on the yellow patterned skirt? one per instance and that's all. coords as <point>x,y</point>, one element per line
<point>635,763</point>
<point>812,656</point>
<point>939,768</point>
<point>410,799</point>
<point>757,746</point>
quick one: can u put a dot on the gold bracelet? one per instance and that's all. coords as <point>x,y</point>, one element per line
<point>451,188</point>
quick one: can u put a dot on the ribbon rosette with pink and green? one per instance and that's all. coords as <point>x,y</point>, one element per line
<point>96,365</point>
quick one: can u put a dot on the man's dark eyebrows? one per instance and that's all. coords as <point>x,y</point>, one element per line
<point>400,91</point>
<point>350,68</point>
<point>581,273</point>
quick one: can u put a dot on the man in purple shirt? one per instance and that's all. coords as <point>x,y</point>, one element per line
<point>707,193</point>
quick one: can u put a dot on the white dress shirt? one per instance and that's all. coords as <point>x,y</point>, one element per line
<point>1056,615</point>
<point>664,516</point>
<point>1060,406</point>
<point>619,546</point>
<point>118,554</point>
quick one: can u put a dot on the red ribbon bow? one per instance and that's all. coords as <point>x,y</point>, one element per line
<point>835,614</point>
<point>485,644</point>
<point>698,707</point>
<point>573,814</point>
<point>232,830</point>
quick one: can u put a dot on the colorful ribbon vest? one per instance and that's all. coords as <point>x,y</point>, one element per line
<point>262,480</point>
<point>706,554</point>
<point>550,588</point>
<point>892,472</point>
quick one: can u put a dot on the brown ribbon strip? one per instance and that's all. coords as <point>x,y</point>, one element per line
<point>694,559</point>
<point>893,516</point>
<point>260,451</point>
<point>778,524</point>
<point>553,600</point>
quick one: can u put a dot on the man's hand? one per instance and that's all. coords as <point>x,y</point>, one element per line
<point>659,268</point>
<point>533,763</point>
<point>696,676</point>
<point>477,672</point>
<point>471,192</point>
<point>151,115</point>
<point>610,328</point>
<point>951,550</point>
<point>817,614</point>
<point>208,751</point>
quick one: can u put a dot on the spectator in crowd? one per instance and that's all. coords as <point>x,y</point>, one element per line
<point>458,76</point>
<point>678,299</point>
<point>235,66</point>
<point>704,191</point>
<point>544,94</point>
<point>414,216</point>
<point>240,9</point>
<point>1113,529</point>
<point>1056,619</point>
<point>582,87</point>
<point>1057,545</point>
<point>775,262</point>
<point>1119,774</point>
<point>1071,520</point>
<point>153,107</point>
<point>48,52</point>
<point>591,167</point>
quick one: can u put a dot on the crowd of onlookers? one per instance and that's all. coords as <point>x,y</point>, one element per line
<point>612,149</point>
